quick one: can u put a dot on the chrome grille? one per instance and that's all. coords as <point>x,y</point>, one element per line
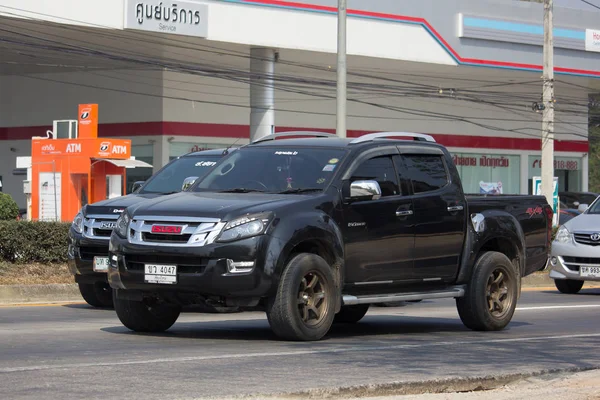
<point>99,226</point>
<point>586,238</point>
<point>194,232</point>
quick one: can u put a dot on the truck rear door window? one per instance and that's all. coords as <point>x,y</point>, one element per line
<point>427,172</point>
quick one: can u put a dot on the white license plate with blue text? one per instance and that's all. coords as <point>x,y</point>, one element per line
<point>100,264</point>
<point>165,274</point>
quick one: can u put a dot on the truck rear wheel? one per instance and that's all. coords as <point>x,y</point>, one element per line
<point>98,294</point>
<point>351,314</point>
<point>140,316</point>
<point>568,286</point>
<point>304,305</point>
<point>491,296</point>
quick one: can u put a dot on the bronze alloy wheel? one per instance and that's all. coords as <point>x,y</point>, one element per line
<point>499,298</point>
<point>312,299</point>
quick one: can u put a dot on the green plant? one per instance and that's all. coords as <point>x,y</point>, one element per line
<point>9,210</point>
<point>33,242</point>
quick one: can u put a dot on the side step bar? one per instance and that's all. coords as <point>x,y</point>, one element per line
<point>454,291</point>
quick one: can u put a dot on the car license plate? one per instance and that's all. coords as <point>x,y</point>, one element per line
<point>165,274</point>
<point>589,272</point>
<point>100,264</point>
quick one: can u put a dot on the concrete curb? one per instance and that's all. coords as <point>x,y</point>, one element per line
<point>23,294</point>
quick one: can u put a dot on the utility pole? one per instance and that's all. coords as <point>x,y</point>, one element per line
<point>548,111</point>
<point>341,70</point>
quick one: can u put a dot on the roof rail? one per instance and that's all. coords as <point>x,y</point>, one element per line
<point>380,135</point>
<point>293,133</point>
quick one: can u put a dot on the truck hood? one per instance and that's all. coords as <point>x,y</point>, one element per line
<point>224,206</point>
<point>584,223</point>
<point>118,204</point>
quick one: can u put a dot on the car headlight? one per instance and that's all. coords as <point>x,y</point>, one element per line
<point>123,224</point>
<point>563,235</point>
<point>245,227</point>
<point>78,222</point>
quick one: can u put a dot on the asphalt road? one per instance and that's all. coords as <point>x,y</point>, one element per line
<point>74,351</point>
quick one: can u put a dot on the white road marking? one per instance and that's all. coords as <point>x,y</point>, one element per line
<point>290,353</point>
<point>557,307</point>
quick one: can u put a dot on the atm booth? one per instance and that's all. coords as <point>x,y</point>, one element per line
<point>68,173</point>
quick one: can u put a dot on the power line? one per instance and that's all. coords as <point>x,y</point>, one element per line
<point>591,4</point>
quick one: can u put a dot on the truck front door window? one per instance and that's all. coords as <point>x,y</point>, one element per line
<point>380,169</point>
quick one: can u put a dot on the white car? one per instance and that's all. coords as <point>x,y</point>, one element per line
<point>575,255</point>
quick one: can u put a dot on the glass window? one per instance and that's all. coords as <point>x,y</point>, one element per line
<point>273,169</point>
<point>566,169</point>
<point>380,169</point>
<point>143,153</point>
<point>170,178</point>
<point>489,174</point>
<point>427,172</point>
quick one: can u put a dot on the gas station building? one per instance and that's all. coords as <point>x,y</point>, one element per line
<point>170,77</point>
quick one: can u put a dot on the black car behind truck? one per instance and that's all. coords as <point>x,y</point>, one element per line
<point>313,230</point>
<point>91,228</point>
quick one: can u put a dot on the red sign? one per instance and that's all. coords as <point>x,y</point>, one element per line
<point>167,229</point>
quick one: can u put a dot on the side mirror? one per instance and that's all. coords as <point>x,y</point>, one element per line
<point>365,190</point>
<point>576,203</point>
<point>136,186</point>
<point>189,181</point>
<point>582,207</point>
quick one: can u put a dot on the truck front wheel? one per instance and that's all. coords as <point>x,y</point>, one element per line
<point>140,316</point>
<point>568,286</point>
<point>491,296</point>
<point>304,306</point>
<point>96,294</point>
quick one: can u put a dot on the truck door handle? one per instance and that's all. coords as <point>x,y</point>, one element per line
<point>403,213</point>
<point>455,208</point>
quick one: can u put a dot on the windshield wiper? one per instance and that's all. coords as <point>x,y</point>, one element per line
<point>241,190</point>
<point>300,190</point>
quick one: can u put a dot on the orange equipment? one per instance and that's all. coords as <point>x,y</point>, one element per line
<point>69,173</point>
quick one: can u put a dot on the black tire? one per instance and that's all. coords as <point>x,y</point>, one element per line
<point>351,314</point>
<point>568,286</point>
<point>141,317</point>
<point>494,281</point>
<point>311,319</point>
<point>97,294</point>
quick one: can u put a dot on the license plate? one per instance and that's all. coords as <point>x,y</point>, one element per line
<point>590,272</point>
<point>100,264</point>
<point>165,274</point>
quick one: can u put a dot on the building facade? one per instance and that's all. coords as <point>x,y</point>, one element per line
<point>180,76</point>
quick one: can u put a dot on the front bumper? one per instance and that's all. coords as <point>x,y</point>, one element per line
<point>81,253</point>
<point>200,270</point>
<point>566,260</point>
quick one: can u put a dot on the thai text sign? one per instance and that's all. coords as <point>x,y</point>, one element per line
<point>177,17</point>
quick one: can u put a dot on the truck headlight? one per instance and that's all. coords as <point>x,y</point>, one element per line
<point>245,227</point>
<point>563,235</point>
<point>123,224</point>
<point>78,222</point>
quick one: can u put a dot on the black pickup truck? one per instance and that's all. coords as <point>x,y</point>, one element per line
<point>91,228</point>
<point>315,229</point>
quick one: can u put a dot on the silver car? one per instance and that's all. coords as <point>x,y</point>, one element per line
<point>575,256</point>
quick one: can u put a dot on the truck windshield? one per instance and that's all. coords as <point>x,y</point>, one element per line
<point>170,178</point>
<point>273,170</point>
